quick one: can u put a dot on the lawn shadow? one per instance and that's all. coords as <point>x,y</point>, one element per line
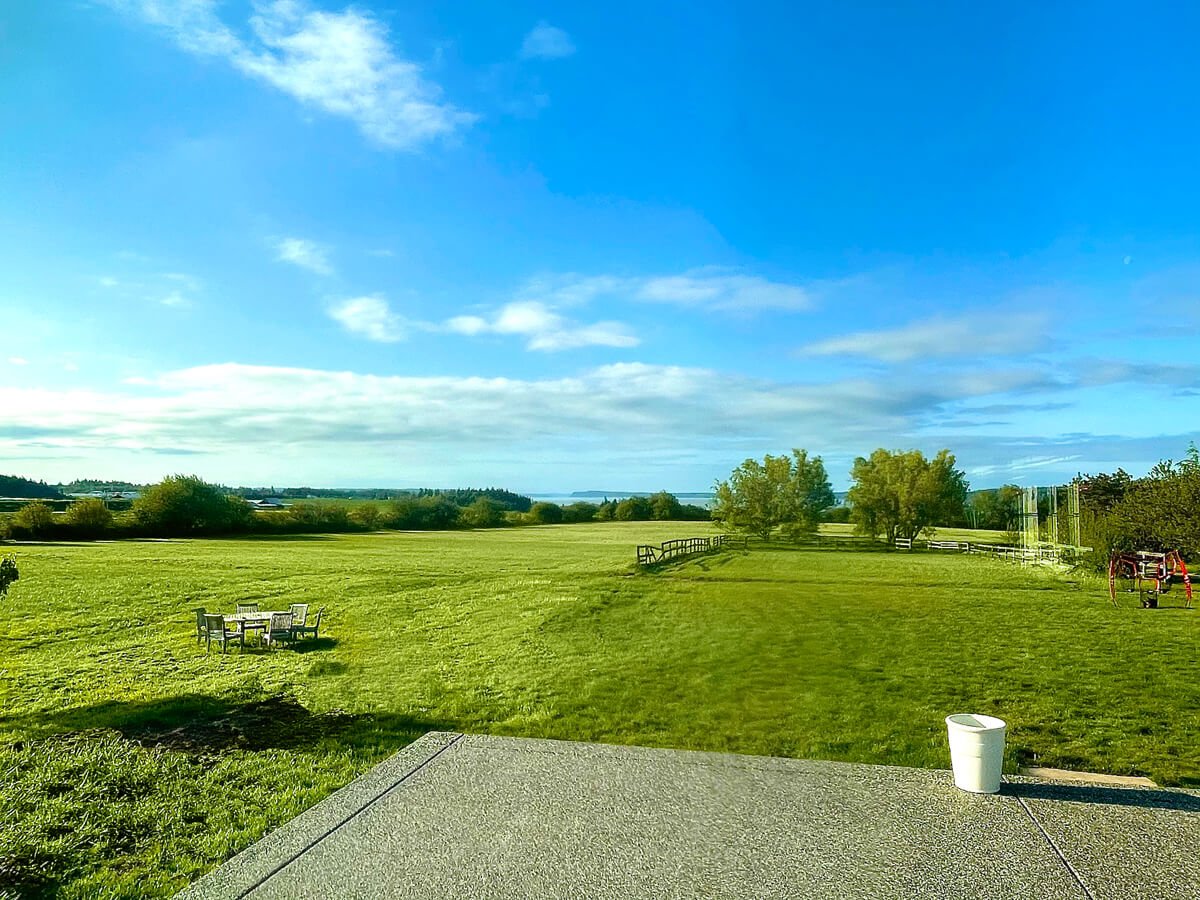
<point>315,645</point>
<point>204,725</point>
<point>1142,798</point>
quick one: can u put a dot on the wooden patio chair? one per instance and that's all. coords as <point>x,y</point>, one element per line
<point>280,629</point>
<point>299,631</point>
<point>299,613</point>
<point>215,629</point>
<point>201,630</point>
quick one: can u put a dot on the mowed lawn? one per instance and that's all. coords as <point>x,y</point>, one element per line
<point>132,761</point>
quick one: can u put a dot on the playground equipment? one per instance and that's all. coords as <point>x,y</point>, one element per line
<point>1151,575</point>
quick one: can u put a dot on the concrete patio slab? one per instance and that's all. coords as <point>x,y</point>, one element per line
<point>472,816</point>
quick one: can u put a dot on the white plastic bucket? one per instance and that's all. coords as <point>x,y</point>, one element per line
<point>976,751</point>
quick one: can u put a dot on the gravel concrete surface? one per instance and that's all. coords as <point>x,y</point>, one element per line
<point>472,816</point>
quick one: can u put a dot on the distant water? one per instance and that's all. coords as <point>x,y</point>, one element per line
<point>566,500</point>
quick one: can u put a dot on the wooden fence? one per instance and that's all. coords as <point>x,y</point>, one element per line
<point>653,554</point>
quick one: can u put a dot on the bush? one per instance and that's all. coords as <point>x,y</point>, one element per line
<point>633,509</point>
<point>580,512</point>
<point>483,513</point>
<point>316,517</point>
<point>544,513</point>
<point>33,520</point>
<point>89,517</point>
<point>431,513</point>
<point>368,516</point>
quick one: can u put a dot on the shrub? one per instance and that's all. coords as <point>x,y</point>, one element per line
<point>318,517</point>
<point>633,509</point>
<point>89,517</point>
<point>431,513</point>
<point>367,515</point>
<point>34,520</point>
<point>483,513</point>
<point>544,513</point>
<point>580,512</point>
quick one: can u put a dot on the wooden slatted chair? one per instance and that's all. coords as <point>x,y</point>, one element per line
<point>201,629</point>
<point>299,613</point>
<point>299,631</point>
<point>215,629</point>
<point>280,629</point>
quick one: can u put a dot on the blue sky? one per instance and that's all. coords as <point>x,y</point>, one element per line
<point>571,246</point>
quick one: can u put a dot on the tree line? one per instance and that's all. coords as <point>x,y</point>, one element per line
<point>1158,512</point>
<point>188,506</point>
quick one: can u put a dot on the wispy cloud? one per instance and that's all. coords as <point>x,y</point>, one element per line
<point>713,289</point>
<point>339,62</point>
<point>371,318</point>
<point>644,418</point>
<point>172,289</point>
<point>543,328</point>
<point>546,42</point>
<point>971,335</point>
<point>175,299</point>
<point>305,254</point>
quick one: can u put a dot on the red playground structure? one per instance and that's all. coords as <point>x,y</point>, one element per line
<point>1151,574</point>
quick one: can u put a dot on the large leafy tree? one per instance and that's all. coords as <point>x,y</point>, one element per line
<point>185,504</point>
<point>898,494</point>
<point>1158,512</point>
<point>788,492</point>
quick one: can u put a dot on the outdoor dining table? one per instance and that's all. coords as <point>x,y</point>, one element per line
<point>243,619</point>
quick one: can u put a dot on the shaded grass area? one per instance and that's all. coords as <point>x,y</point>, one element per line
<point>132,761</point>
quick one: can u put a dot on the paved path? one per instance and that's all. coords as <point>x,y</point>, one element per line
<point>467,816</point>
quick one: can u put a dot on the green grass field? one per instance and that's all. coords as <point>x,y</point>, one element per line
<point>131,761</point>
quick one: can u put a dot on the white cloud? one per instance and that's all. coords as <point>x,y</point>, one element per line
<point>971,335</point>
<point>174,289</point>
<point>546,42</point>
<point>306,254</point>
<point>18,361</point>
<point>341,63</point>
<point>370,317</point>
<point>712,289</point>
<point>176,300</point>
<point>332,427</point>
<point>544,328</point>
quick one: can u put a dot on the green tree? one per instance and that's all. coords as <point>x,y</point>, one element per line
<point>186,504</point>
<point>899,494</point>
<point>665,507</point>
<point>543,513</point>
<point>1158,512</point>
<point>483,513</point>
<point>366,515</point>
<point>633,509</point>
<point>34,519</point>
<point>580,512</point>
<point>791,492</point>
<point>89,516</point>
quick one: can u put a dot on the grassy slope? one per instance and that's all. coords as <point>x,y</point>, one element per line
<point>843,655</point>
